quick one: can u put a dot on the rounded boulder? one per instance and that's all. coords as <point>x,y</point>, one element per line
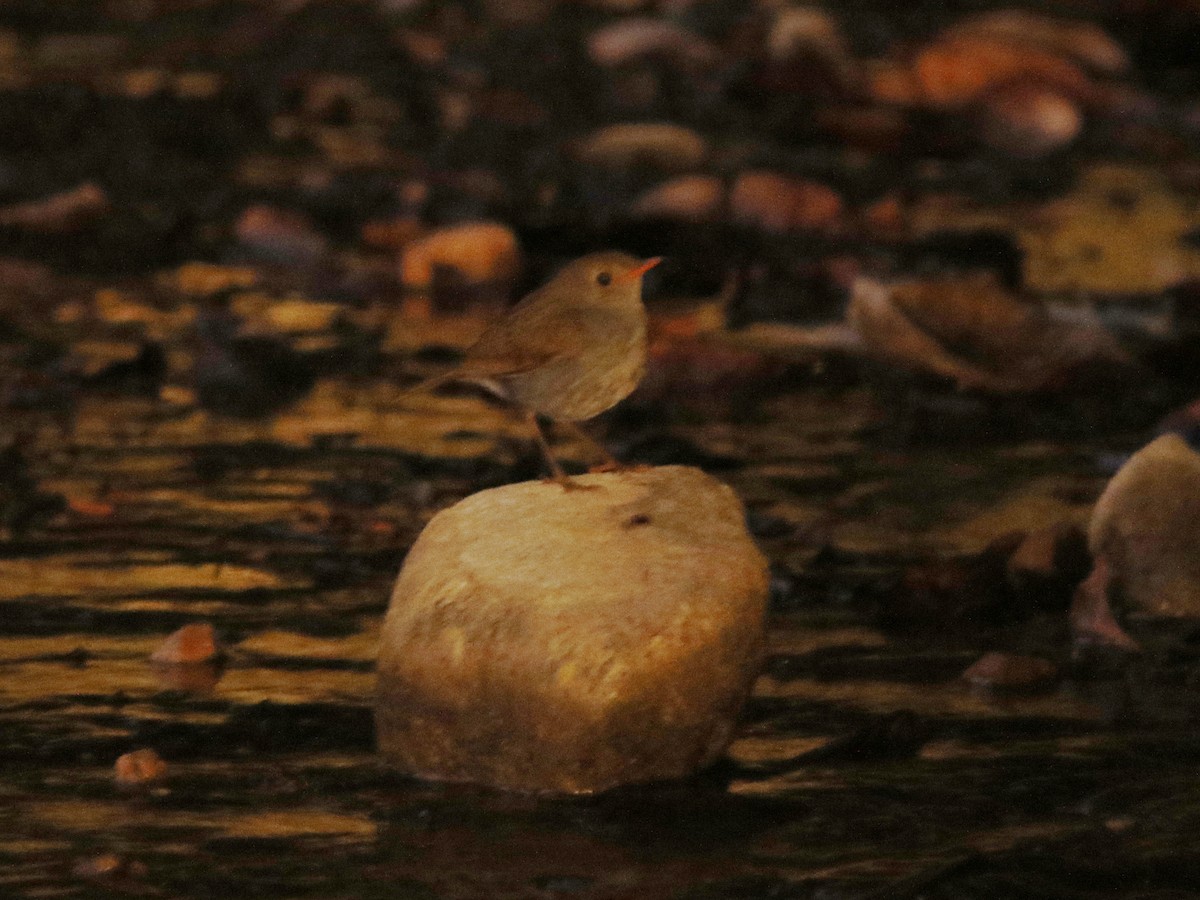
<point>545,640</point>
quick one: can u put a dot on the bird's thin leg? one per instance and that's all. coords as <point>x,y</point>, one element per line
<point>558,476</point>
<point>611,463</point>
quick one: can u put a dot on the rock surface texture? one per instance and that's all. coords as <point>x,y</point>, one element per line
<point>1146,525</point>
<point>546,640</point>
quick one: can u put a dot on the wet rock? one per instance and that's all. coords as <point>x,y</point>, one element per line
<point>1026,120</point>
<point>473,254</point>
<point>781,203</point>
<point>551,641</point>
<point>1146,526</point>
<point>280,236</point>
<point>139,767</point>
<point>1006,672</point>
<point>195,643</point>
<point>61,213</point>
<point>631,40</point>
<point>659,145</point>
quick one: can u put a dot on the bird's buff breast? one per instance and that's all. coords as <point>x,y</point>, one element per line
<point>576,389</point>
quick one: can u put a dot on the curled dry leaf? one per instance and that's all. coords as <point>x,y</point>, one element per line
<point>973,332</point>
<point>1146,526</point>
<point>662,145</point>
<point>1085,42</point>
<point>954,73</point>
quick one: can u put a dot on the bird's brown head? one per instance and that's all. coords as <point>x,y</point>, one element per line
<point>605,279</point>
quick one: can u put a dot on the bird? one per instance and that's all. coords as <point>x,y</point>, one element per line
<point>568,351</point>
<point>245,376</point>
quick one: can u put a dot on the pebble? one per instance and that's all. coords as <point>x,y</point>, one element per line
<point>694,199</point>
<point>476,252</point>
<point>631,40</point>
<point>139,767</point>
<point>201,279</point>
<point>781,203</point>
<point>1003,671</point>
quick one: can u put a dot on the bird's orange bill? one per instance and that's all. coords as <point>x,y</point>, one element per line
<point>643,268</point>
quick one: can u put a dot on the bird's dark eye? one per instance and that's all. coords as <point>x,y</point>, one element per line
<point>604,279</point>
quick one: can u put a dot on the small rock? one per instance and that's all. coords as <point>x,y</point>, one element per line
<point>139,767</point>
<point>1027,120</point>
<point>1146,525</point>
<point>689,198</point>
<point>629,40</point>
<point>190,644</point>
<point>280,236</point>
<point>60,213</point>
<point>660,145</point>
<point>1003,671</point>
<point>475,252</point>
<point>549,641</point>
<point>780,203</point>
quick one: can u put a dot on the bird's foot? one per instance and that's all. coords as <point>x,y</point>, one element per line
<point>569,484</point>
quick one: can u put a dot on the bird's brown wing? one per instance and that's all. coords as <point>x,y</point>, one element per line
<point>532,335</point>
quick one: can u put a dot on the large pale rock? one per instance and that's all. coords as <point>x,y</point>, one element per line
<point>571,641</point>
<point>1146,527</point>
